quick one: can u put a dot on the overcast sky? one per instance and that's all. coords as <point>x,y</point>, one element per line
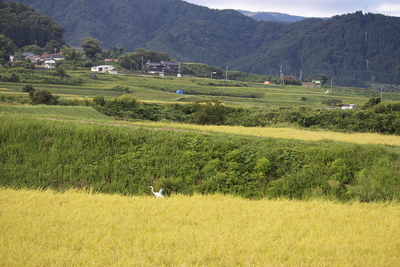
<point>307,8</point>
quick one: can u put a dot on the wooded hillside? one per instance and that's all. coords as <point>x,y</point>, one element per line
<point>24,26</point>
<point>350,49</point>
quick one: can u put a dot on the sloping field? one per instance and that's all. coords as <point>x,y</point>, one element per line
<point>283,133</point>
<point>44,228</point>
<point>236,93</point>
<point>46,111</point>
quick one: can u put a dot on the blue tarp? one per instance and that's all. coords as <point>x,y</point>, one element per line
<point>179,92</point>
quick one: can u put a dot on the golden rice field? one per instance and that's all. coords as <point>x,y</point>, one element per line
<point>45,228</point>
<point>287,133</point>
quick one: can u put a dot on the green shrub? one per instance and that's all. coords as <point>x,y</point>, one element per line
<point>42,96</point>
<point>28,88</point>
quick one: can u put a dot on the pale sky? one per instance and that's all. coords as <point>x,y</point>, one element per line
<point>307,8</point>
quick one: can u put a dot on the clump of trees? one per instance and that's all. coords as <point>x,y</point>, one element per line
<point>42,96</point>
<point>7,48</point>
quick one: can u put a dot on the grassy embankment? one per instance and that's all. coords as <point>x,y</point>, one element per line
<point>43,228</point>
<point>114,159</point>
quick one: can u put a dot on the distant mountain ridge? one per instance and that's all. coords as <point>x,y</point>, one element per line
<point>349,48</point>
<point>273,16</point>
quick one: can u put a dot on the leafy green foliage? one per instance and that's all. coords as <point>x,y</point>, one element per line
<point>28,88</point>
<point>208,112</point>
<point>7,47</point>
<point>127,61</point>
<point>332,103</point>
<point>99,100</point>
<point>91,47</point>
<point>69,53</point>
<point>372,102</point>
<point>42,96</point>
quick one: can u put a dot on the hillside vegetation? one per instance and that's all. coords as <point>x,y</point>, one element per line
<point>350,49</point>
<point>42,228</point>
<point>125,160</point>
<point>25,27</point>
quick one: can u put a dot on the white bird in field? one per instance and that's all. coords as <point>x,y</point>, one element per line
<point>157,194</point>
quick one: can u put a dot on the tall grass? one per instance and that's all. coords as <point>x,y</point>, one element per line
<point>43,228</point>
<point>115,159</point>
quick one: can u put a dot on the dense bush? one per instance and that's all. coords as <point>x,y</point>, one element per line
<point>28,88</point>
<point>42,96</point>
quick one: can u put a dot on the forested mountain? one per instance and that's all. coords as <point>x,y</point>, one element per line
<point>24,26</point>
<point>350,49</point>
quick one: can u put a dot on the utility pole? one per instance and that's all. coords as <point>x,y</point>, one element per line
<point>373,84</point>
<point>283,82</point>
<point>226,73</point>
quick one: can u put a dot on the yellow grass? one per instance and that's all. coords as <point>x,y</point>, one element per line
<point>82,229</point>
<point>289,133</point>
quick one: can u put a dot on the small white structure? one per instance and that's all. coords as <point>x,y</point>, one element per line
<point>113,71</point>
<point>347,106</point>
<point>50,64</point>
<point>105,69</point>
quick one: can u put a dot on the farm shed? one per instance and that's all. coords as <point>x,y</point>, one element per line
<point>347,106</point>
<point>105,69</point>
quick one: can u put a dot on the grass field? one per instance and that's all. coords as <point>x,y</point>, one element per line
<point>53,111</point>
<point>44,228</point>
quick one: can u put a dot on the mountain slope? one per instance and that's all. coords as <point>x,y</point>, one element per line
<point>350,48</point>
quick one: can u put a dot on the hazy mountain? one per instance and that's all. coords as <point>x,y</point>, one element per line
<point>350,48</point>
<point>272,16</point>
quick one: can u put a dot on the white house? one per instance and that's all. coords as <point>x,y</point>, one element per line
<point>347,106</point>
<point>50,64</point>
<point>105,69</point>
